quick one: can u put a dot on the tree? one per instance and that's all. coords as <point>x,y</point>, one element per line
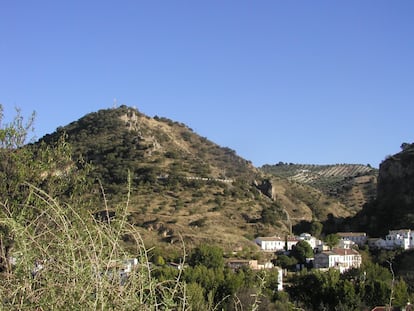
<point>209,256</point>
<point>15,168</point>
<point>376,287</point>
<point>272,283</point>
<point>324,291</point>
<point>401,296</point>
<point>209,279</point>
<point>285,261</point>
<point>302,289</point>
<point>301,251</point>
<point>376,293</point>
<point>270,215</point>
<point>14,135</point>
<point>196,297</point>
<point>332,240</point>
<point>316,228</point>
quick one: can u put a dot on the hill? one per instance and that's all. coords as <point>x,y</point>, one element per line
<point>183,186</point>
<point>352,184</point>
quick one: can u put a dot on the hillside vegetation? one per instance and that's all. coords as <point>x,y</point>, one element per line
<point>183,186</point>
<point>352,184</point>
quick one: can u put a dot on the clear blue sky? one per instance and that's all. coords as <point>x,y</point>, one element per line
<point>318,82</point>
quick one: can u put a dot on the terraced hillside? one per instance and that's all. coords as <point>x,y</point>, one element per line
<point>352,184</point>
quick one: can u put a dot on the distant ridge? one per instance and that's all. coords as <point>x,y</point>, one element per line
<point>353,184</point>
<point>312,173</point>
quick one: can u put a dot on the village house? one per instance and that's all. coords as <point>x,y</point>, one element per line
<point>408,307</point>
<point>348,244</point>
<point>377,243</point>
<point>359,238</point>
<point>312,241</point>
<point>321,248</point>
<point>338,258</point>
<point>403,238</point>
<point>236,264</point>
<point>265,265</point>
<point>276,243</point>
<point>253,264</point>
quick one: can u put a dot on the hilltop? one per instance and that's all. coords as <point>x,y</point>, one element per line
<point>184,186</point>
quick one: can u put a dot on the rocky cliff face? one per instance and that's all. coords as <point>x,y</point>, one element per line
<point>396,176</point>
<point>394,206</point>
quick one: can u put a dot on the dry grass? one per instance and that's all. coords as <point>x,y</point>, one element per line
<point>67,260</point>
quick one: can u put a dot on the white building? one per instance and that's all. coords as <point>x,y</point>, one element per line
<point>312,241</point>
<point>275,243</point>
<point>279,278</point>
<point>359,238</point>
<point>348,244</point>
<point>377,243</point>
<point>338,258</point>
<point>402,238</point>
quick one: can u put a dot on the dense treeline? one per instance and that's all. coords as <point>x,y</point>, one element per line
<point>357,289</point>
<point>211,283</point>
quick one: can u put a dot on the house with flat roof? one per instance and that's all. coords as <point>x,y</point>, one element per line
<point>402,238</point>
<point>312,241</point>
<point>276,243</point>
<point>359,238</point>
<point>338,258</point>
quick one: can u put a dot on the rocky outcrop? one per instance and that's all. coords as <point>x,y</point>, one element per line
<point>394,206</point>
<point>265,187</point>
<point>396,176</point>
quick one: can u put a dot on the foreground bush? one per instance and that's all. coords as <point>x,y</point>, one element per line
<point>65,259</point>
